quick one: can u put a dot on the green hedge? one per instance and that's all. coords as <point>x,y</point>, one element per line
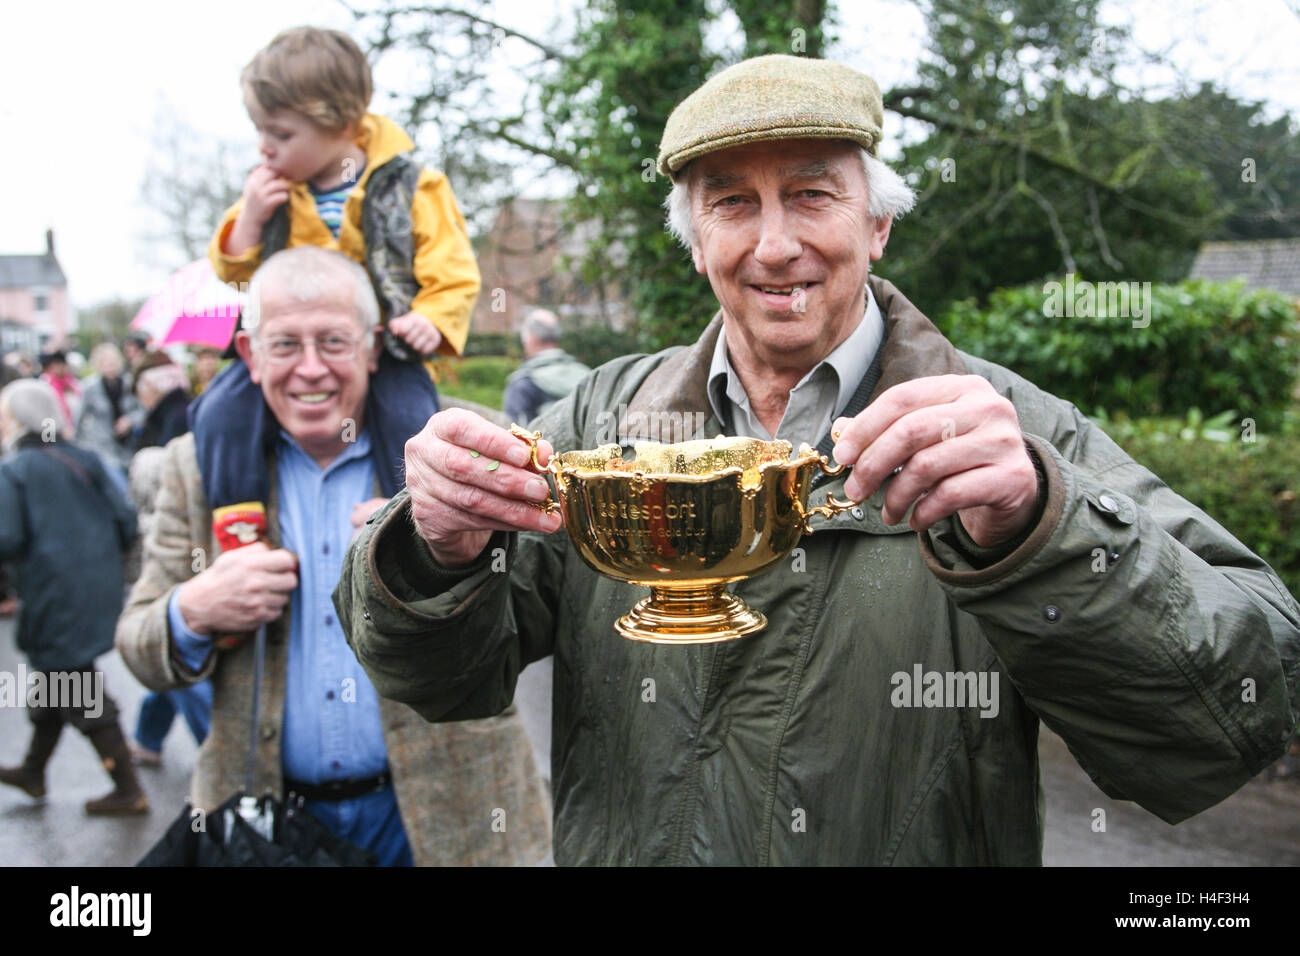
<point>1205,345</point>
<point>1252,488</point>
<point>595,345</point>
<point>492,343</point>
<point>481,378</point>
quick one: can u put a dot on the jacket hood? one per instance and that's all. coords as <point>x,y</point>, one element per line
<point>382,139</point>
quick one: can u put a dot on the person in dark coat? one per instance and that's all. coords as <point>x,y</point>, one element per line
<point>63,526</point>
<point>164,391</point>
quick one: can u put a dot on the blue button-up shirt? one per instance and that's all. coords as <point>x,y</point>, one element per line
<point>332,727</point>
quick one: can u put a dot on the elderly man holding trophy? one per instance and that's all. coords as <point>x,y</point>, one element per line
<point>855,681</point>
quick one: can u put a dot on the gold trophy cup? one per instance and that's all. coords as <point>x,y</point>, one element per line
<point>685,520</point>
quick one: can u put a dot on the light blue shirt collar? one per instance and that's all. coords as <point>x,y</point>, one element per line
<point>354,450</point>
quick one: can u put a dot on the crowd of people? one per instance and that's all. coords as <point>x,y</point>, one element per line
<point>85,456</point>
<point>77,489</point>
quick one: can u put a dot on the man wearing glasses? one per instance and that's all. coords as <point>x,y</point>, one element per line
<point>371,770</point>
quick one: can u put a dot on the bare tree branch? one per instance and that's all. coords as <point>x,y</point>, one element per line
<point>960,124</point>
<point>1094,215</point>
<point>390,13</point>
<point>955,226</point>
<point>498,131</point>
<point>1062,242</point>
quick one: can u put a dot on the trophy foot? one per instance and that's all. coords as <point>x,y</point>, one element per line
<point>703,615</point>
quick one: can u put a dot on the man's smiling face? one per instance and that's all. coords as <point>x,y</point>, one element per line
<point>782,232</point>
<point>313,397</point>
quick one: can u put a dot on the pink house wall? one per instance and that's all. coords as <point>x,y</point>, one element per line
<point>20,306</point>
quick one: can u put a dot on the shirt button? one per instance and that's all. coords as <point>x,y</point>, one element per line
<point>1107,503</point>
<point>857,513</point>
<point>335,764</point>
<point>326,548</point>
<point>329,620</point>
<point>268,732</point>
<point>329,695</point>
<point>1051,614</point>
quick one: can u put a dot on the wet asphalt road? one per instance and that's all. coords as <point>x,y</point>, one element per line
<point>1259,825</point>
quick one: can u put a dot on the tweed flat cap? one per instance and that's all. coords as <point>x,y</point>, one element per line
<point>773,97</point>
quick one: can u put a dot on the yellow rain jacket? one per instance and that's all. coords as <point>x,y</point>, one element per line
<point>444,261</point>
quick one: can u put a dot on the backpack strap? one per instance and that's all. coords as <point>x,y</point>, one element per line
<point>390,234</point>
<point>275,233</point>
<point>390,243</point>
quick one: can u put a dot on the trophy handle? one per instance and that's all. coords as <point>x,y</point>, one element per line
<point>549,506</point>
<point>833,505</point>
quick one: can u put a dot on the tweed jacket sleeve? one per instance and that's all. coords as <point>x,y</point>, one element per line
<point>179,544</point>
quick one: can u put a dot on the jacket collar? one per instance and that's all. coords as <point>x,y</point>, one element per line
<point>382,139</point>
<point>32,440</point>
<point>542,359</point>
<point>913,348</point>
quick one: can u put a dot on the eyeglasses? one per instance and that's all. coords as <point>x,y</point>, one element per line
<point>333,347</point>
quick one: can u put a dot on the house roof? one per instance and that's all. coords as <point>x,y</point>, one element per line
<point>26,271</point>
<point>1263,263</point>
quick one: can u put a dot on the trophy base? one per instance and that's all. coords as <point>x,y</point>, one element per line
<point>690,615</point>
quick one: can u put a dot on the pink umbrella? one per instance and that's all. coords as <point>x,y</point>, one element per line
<point>194,307</point>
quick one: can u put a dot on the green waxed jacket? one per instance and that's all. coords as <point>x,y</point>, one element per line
<point>1159,647</point>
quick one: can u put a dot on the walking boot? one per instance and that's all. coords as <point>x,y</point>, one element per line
<point>30,776</point>
<point>127,796</point>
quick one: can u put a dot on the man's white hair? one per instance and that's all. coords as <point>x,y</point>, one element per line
<point>310,274</point>
<point>887,195</point>
<point>543,325</point>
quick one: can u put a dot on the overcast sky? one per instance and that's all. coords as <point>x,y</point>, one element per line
<point>84,80</point>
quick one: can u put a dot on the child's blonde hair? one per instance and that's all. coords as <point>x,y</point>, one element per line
<point>321,74</point>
